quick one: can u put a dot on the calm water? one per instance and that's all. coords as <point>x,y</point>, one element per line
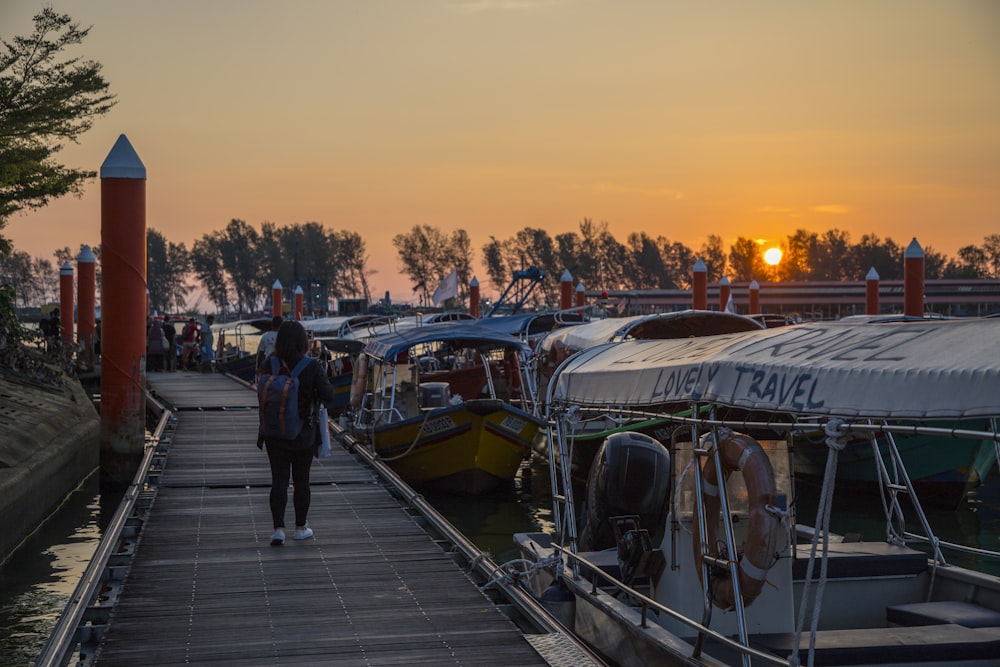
<point>38,580</point>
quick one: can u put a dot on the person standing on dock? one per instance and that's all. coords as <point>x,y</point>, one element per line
<point>206,342</point>
<point>266,345</point>
<point>189,344</point>
<point>171,352</point>
<point>292,458</point>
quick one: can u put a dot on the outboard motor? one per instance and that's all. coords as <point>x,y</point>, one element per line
<point>630,476</point>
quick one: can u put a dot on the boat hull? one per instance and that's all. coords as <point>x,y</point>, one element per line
<point>467,449</point>
<point>942,475</point>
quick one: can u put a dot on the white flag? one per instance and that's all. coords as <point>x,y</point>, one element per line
<point>448,289</point>
<point>730,306</point>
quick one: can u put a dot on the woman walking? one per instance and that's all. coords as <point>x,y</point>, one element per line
<point>291,458</point>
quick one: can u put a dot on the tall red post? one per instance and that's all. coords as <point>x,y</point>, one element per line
<point>66,303</point>
<point>725,291</point>
<point>871,292</point>
<point>86,302</point>
<point>913,280</point>
<point>276,310</point>
<point>299,296</point>
<point>754,297</point>
<point>474,297</point>
<point>581,295</point>
<point>699,283</point>
<point>566,290</point>
<point>123,314</point>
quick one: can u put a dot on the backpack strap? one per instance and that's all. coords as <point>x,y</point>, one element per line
<point>299,367</point>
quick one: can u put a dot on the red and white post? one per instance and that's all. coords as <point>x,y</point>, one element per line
<point>913,280</point>
<point>86,301</point>
<point>474,297</point>
<point>123,313</point>
<point>699,286</point>
<point>299,297</point>
<point>66,303</point>
<point>276,309</point>
<point>566,290</point>
<point>581,294</point>
<point>725,292</point>
<point>754,297</point>
<point>871,292</point>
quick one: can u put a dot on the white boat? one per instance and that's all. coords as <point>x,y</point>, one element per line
<point>562,343</point>
<point>691,551</point>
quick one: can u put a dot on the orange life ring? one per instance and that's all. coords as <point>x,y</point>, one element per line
<point>359,381</point>
<point>739,452</point>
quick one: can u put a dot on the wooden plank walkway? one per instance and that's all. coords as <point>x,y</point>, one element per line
<point>205,586</point>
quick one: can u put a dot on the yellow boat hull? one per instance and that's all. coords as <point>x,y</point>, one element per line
<point>468,448</point>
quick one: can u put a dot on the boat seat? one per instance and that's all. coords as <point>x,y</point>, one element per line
<point>944,611</point>
<point>907,645</point>
<point>862,559</point>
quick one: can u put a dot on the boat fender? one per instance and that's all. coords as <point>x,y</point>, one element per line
<point>741,453</point>
<point>359,382</point>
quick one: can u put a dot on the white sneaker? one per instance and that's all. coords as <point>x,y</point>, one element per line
<point>278,537</point>
<point>303,533</point>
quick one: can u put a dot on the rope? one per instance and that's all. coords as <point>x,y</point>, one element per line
<point>507,574</point>
<point>420,429</point>
<point>836,439</point>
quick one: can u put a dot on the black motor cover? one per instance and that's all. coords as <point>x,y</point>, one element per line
<point>629,476</point>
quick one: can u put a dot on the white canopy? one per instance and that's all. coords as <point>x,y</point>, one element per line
<point>679,324</point>
<point>928,369</point>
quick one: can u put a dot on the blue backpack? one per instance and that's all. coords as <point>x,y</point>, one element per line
<point>278,399</point>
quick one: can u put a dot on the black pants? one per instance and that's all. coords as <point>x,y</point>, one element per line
<point>297,462</point>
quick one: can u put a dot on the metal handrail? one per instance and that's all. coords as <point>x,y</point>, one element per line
<point>56,651</point>
<point>647,603</point>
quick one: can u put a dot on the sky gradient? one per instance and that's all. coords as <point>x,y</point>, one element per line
<point>674,118</point>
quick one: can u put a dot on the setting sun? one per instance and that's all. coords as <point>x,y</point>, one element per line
<point>772,256</point>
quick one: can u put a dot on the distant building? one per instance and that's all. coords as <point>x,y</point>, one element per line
<point>827,300</point>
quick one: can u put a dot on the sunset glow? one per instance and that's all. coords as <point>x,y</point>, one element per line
<point>679,120</point>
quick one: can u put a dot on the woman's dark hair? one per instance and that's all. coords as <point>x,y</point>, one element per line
<point>292,342</point>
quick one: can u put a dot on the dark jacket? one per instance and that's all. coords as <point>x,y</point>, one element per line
<point>314,388</point>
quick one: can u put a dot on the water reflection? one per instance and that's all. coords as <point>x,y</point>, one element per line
<point>41,575</point>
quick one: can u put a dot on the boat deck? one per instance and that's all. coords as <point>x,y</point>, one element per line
<point>205,586</point>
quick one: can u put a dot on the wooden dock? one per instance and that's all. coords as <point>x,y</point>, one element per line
<point>371,588</point>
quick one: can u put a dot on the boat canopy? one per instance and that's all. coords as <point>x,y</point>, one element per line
<point>901,370</point>
<point>678,324</point>
<point>530,325</point>
<point>459,333</point>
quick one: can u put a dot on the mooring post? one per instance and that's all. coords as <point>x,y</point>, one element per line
<point>871,292</point>
<point>86,301</point>
<point>66,303</point>
<point>725,291</point>
<point>754,297</point>
<point>699,282</point>
<point>913,280</point>
<point>474,297</point>
<point>123,313</point>
<point>276,310</point>
<point>581,294</point>
<point>299,295</point>
<point>566,290</point>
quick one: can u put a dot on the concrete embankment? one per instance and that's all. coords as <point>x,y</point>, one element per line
<point>49,443</point>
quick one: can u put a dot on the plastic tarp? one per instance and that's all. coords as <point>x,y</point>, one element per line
<point>927,369</point>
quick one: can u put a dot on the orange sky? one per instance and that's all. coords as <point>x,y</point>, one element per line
<point>675,118</point>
